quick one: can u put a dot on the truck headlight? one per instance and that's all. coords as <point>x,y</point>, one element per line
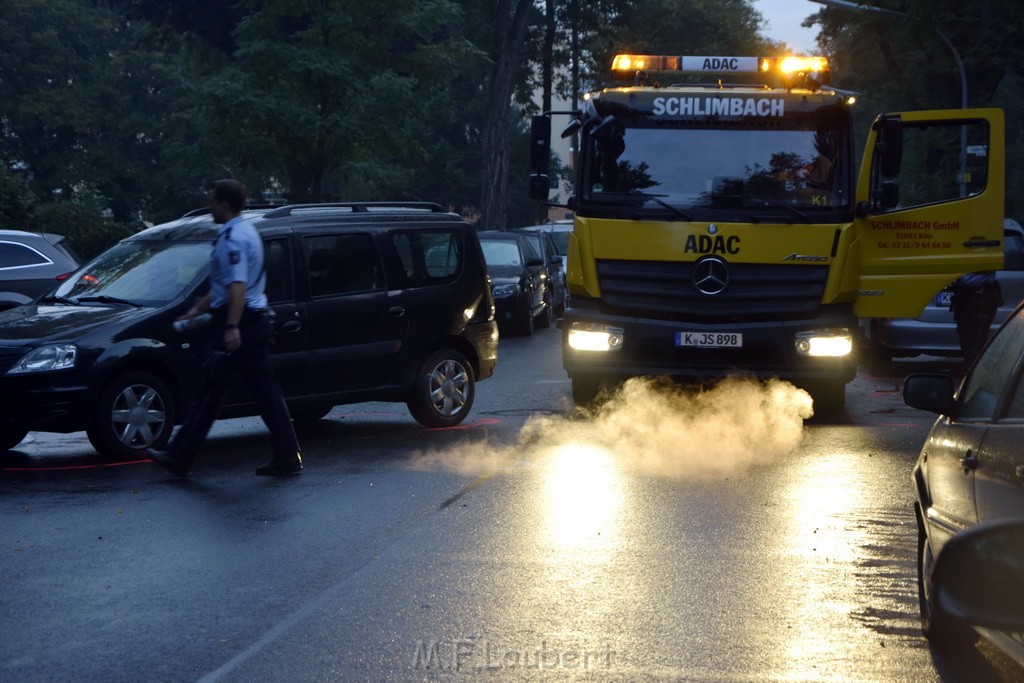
<point>825,343</point>
<point>594,337</point>
<point>46,358</point>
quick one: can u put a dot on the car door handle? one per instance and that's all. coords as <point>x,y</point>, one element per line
<point>981,243</point>
<point>396,311</point>
<point>969,462</point>
<point>292,326</point>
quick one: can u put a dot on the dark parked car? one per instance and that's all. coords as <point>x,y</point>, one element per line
<point>556,296</point>
<point>934,332</point>
<point>382,302</point>
<point>971,468</point>
<point>518,281</point>
<point>31,264</point>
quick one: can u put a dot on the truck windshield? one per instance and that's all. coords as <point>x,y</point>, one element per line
<point>800,165</point>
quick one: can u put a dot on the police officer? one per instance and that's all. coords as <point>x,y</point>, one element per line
<point>240,339</point>
<point>976,297</point>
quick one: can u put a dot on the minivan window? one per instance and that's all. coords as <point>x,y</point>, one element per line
<point>428,258</point>
<point>145,273</point>
<point>342,264</point>
<point>279,271</point>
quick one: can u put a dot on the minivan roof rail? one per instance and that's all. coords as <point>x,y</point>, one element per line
<point>355,207</point>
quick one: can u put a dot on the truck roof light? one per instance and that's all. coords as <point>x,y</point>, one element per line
<point>808,72</point>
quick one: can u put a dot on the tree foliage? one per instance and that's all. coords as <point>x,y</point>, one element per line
<point>127,112</point>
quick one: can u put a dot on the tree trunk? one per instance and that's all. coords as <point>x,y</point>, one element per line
<point>510,26</point>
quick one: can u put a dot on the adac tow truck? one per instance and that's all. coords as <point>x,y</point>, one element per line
<point>722,229</point>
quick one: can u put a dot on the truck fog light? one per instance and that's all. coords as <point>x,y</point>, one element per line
<point>825,343</point>
<point>593,337</point>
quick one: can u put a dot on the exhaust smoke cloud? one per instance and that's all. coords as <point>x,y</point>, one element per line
<point>658,428</point>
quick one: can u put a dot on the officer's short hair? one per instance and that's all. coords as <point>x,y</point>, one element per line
<point>231,192</point>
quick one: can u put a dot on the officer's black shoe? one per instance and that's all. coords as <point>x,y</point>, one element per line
<point>168,463</point>
<point>278,468</point>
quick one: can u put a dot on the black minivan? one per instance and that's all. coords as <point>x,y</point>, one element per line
<point>372,302</point>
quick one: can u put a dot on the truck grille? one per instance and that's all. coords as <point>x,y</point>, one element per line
<point>665,289</point>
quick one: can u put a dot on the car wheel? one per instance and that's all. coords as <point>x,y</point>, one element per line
<point>936,626</point>
<point>135,412</point>
<point>310,413</point>
<point>589,389</point>
<point>11,435</point>
<point>444,391</point>
<point>547,316</point>
<point>829,399</point>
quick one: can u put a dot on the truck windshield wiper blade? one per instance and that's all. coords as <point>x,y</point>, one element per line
<point>103,299</point>
<point>675,210</point>
<point>771,201</point>
<point>59,300</point>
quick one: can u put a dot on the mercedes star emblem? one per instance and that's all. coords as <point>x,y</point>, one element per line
<point>711,276</point>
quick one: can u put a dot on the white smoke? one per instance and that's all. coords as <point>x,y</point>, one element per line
<point>659,428</point>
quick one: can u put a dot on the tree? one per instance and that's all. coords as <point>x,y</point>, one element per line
<point>321,99</point>
<point>507,30</point>
<point>84,102</point>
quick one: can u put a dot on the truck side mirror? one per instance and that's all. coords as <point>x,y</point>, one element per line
<point>891,147</point>
<point>540,144</point>
<point>539,186</point>
<point>890,195</point>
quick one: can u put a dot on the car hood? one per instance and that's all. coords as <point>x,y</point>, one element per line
<point>52,322</point>
<point>504,274</point>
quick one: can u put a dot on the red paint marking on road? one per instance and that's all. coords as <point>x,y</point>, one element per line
<point>94,466</point>
<point>482,422</point>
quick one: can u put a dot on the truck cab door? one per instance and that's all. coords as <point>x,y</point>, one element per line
<point>929,206</point>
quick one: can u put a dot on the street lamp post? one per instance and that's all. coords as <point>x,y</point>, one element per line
<point>845,4</point>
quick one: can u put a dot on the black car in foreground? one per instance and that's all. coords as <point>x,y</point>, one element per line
<point>372,301</point>
<point>970,476</point>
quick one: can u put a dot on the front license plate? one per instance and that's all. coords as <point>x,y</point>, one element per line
<point>709,339</point>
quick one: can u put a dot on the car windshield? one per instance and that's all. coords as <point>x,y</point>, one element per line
<point>143,273</point>
<point>501,253</point>
<point>561,240</point>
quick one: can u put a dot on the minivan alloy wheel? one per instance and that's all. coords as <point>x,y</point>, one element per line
<point>444,391</point>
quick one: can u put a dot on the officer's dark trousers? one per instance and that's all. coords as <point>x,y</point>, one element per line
<point>972,327</point>
<point>252,359</point>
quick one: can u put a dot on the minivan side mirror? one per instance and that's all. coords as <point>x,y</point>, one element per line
<point>890,146</point>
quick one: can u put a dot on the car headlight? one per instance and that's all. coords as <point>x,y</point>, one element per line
<point>825,343</point>
<point>46,358</point>
<point>500,291</point>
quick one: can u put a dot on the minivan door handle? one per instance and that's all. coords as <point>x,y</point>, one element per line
<point>981,243</point>
<point>396,311</point>
<point>292,326</point>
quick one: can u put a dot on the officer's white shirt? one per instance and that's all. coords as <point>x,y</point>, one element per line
<point>238,257</point>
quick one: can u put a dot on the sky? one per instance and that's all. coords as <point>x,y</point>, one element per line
<point>783,19</point>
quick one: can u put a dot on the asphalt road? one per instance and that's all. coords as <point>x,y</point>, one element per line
<point>722,537</point>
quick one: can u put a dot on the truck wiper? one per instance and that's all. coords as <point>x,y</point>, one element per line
<point>59,300</point>
<point>778,202</point>
<point>103,299</point>
<point>654,198</point>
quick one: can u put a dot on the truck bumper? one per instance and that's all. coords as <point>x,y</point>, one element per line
<point>769,349</point>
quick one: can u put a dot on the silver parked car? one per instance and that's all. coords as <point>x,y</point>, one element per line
<point>970,474</point>
<point>934,332</point>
